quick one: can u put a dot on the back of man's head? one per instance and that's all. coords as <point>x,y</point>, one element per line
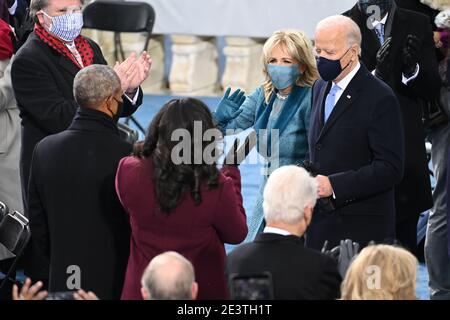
<point>94,84</point>
<point>169,276</point>
<point>290,192</point>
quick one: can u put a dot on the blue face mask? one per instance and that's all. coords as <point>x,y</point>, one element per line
<point>66,27</point>
<point>283,77</point>
<point>330,69</point>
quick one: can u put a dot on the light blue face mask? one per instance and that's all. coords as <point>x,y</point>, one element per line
<point>66,27</point>
<point>283,76</point>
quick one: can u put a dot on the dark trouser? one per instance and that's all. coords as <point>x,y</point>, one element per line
<point>436,243</point>
<point>406,233</point>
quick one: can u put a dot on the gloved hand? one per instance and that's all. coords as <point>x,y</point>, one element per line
<point>348,250</point>
<point>228,108</point>
<point>333,253</point>
<point>384,61</point>
<point>236,156</point>
<point>411,55</point>
<point>344,254</point>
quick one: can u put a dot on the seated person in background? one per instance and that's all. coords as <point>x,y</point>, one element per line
<point>169,276</point>
<point>381,272</point>
<point>178,200</point>
<point>297,272</point>
<point>75,216</point>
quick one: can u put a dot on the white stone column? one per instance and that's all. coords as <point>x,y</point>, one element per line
<point>243,67</point>
<point>134,42</point>
<point>194,69</point>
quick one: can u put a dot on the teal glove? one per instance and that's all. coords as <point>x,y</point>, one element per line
<point>228,108</point>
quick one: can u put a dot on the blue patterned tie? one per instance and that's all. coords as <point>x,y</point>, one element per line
<point>379,30</point>
<point>331,101</point>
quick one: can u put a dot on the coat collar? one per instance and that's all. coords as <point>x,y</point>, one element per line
<point>92,120</point>
<point>273,237</point>
<point>290,108</point>
<point>371,44</point>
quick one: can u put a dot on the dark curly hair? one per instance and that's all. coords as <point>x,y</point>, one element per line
<point>172,180</point>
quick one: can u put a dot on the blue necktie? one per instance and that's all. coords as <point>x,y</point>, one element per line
<point>330,101</point>
<point>379,30</point>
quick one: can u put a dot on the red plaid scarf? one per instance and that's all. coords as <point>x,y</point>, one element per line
<point>82,45</point>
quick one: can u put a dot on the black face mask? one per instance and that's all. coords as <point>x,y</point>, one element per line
<point>384,5</point>
<point>119,111</point>
<point>331,69</point>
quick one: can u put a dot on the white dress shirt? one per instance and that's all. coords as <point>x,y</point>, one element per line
<point>277,231</point>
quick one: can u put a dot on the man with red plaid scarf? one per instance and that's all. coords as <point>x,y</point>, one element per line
<point>45,67</point>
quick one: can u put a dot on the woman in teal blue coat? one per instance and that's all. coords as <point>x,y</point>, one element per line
<point>278,110</point>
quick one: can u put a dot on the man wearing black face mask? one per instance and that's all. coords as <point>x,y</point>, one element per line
<point>355,142</point>
<point>75,215</point>
<point>397,45</point>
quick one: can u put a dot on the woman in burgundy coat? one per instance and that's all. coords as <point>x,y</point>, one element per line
<point>189,208</point>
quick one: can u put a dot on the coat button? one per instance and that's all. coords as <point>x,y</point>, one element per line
<point>318,147</point>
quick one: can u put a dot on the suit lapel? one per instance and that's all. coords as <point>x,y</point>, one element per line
<point>347,98</point>
<point>322,97</point>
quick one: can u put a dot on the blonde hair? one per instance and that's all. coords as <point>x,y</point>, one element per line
<point>300,48</point>
<point>395,268</point>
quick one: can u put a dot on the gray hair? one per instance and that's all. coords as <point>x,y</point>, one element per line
<point>288,191</point>
<point>169,276</point>
<point>353,32</point>
<point>94,84</point>
<point>37,5</point>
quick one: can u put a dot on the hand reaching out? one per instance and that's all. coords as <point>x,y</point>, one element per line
<point>29,292</point>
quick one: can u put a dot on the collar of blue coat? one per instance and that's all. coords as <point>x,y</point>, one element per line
<point>291,106</point>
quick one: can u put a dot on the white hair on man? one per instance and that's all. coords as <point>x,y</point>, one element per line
<point>289,191</point>
<point>349,28</point>
<point>169,276</point>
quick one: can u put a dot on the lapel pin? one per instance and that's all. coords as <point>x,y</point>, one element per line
<point>349,97</point>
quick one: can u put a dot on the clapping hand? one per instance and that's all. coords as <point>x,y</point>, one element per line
<point>83,295</point>
<point>411,55</point>
<point>237,155</point>
<point>133,71</point>
<point>29,292</point>
<point>344,253</point>
<point>228,107</point>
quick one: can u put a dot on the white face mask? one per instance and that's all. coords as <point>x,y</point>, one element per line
<point>67,26</point>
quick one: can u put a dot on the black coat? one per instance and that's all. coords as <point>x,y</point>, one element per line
<point>417,6</point>
<point>75,215</point>
<point>413,194</point>
<point>360,149</point>
<point>43,81</point>
<point>298,273</point>
<point>448,203</point>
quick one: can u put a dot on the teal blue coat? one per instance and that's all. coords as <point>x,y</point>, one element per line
<point>293,125</point>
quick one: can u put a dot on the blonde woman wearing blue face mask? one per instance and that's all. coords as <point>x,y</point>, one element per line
<point>281,103</point>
